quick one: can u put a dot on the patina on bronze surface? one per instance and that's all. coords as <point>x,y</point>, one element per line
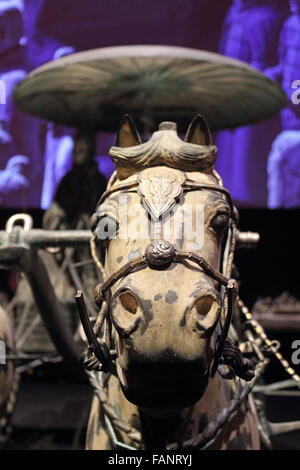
<point>154,83</point>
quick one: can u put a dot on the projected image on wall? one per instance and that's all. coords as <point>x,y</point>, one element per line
<point>259,164</point>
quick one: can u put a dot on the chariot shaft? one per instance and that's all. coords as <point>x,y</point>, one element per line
<point>38,238</point>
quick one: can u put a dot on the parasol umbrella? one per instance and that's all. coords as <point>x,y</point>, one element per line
<point>93,89</point>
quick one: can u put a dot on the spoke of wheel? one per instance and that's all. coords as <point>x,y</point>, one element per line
<point>38,362</point>
<point>275,386</point>
<point>64,266</point>
<point>282,393</point>
<point>283,428</point>
<point>23,318</point>
<point>30,329</point>
<point>10,307</point>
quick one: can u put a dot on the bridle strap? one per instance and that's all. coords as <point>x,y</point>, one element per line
<point>232,291</point>
<point>189,185</point>
<point>141,262</point>
<point>125,270</point>
<point>194,186</point>
<point>117,187</point>
<point>202,263</point>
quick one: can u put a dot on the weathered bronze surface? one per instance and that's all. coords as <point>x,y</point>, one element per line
<point>165,316</point>
<point>154,83</point>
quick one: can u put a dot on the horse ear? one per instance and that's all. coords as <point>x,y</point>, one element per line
<point>198,132</point>
<point>128,135</point>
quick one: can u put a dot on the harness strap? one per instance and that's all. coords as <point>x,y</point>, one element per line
<point>188,185</point>
<point>142,262</point>
<point>232,291</point>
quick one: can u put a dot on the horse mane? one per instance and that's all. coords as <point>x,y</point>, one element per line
<point>165,148</point>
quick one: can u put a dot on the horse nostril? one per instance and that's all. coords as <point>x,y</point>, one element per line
<point>128,302</point>
<point>202,306</point>
<point>126,313</point>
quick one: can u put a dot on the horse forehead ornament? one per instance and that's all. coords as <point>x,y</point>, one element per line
<point>159,188</point>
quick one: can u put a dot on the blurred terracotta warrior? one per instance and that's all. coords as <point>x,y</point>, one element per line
<point>286,72</point>
<point>75,199</point>
<point>284,158</point>
<point>57,160</point>
<point>13,182</point>
<point>19,133</point>
<point>58,149</point>
<point>250,33</point>
<point>79,190</point>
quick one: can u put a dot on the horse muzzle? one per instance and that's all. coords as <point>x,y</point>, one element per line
<point>163,386</point>
<point>164,353</point>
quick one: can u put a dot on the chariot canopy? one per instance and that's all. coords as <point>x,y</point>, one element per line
<point>93,89</point>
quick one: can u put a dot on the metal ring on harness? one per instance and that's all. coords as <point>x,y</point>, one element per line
<point>27,222</point>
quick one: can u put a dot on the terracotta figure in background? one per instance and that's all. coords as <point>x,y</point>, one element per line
<point>58,150</point>
<point>79,190</point>
<point>250,31</point>
<point>284,158</point>
<point>19,133</point>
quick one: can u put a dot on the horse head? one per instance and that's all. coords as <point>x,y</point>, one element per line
<point>165,225</point>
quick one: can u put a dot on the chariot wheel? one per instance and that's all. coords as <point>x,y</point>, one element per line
<point>37,343</point>
<point>9,377</point>
<point>43,311</point>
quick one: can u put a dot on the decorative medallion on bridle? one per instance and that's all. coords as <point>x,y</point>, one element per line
<point>159,189</point>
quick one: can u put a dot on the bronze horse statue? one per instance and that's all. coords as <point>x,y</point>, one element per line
<point>164,235</point>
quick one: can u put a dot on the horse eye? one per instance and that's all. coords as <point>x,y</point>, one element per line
<point>220,223</point>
